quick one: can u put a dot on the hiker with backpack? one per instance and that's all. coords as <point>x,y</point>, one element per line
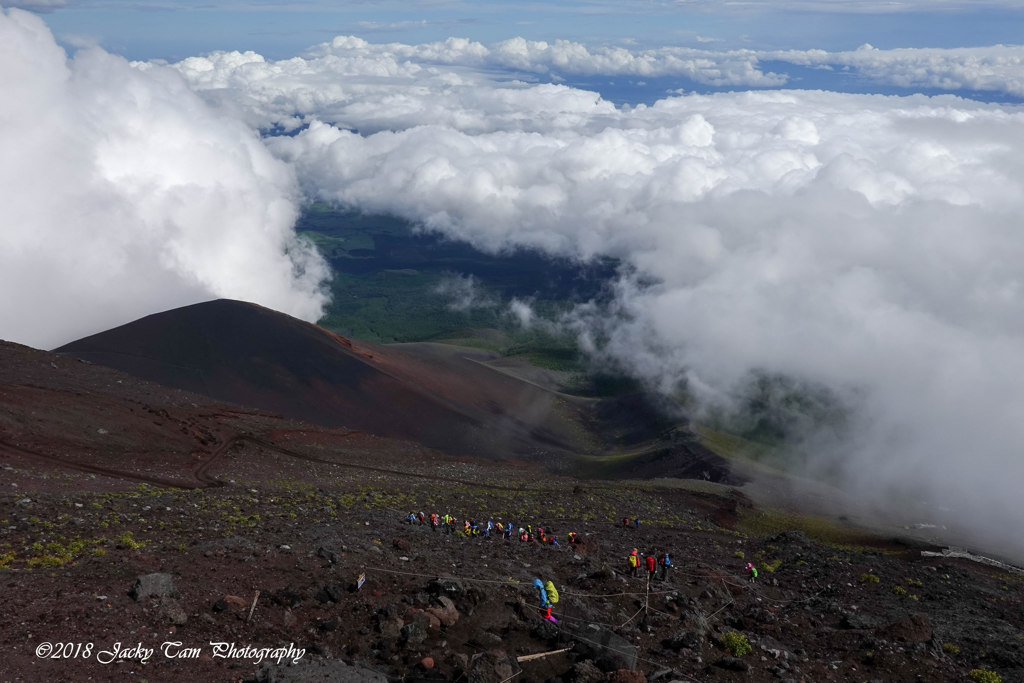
<point>666,565</point>
<point>751,572</point>
<point>634,563</point>
<point>652,566</point>
<point>548,597</point>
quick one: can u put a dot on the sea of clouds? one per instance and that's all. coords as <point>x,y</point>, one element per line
<point>864,243</point>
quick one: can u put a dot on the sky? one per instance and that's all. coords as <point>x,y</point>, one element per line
<point>824,191</point>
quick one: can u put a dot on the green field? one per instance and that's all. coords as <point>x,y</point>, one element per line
<point>393,283</point>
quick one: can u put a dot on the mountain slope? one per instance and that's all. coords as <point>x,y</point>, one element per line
<point>248,355</point>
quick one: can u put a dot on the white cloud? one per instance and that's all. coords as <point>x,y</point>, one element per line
<point>996,68</point>
<point>868,244</point>
<point>388,86</point>
<point>124,193</point>
<point>464,293</point>
<point>464,85</point>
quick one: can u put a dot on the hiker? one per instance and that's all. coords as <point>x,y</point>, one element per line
<point>636,522</point>
<point>625,522</point>
<point>548,597</point>
<point>751,572</point>
<point>552,540</point>
<point>421,518</point>
<point>634,563</point>
<point>410,518</point>
<point>572,538</point>
<point>652,566</point>
<point>666,565</point>
<point>448,521</point>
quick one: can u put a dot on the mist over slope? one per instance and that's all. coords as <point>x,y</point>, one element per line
<point>443,397</point>
<point>869,245</point>
<point>863,246</point>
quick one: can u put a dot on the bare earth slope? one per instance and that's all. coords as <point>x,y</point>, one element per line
<point>151,534</point>
<point>441,396</point>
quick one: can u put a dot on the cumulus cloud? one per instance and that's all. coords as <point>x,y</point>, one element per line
<point>372,87</point>
<point>864,244</point>
<point>465,85</point>
<point>124,194</point>
<point>996,68</point>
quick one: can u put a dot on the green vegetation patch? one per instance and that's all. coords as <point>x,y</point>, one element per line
<point>736,644</point>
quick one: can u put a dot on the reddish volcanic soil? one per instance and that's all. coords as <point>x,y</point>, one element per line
<point>135,518</point>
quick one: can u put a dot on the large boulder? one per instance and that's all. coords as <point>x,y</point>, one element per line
<point>153,586</point>
<point>608,650</point>
<point>494,666</point>
<point>684,639</point>
<point>447,587</point>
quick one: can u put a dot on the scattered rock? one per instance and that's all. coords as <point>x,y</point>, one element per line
<point>625,676</point>
<point>427,663</point>
<point>857,621</point>
<point>607,649</point>
<point>172,612</point>
<point>585,672</point>
<point>236,602</point>
<point>331,592</point>
<point>732,664</point>
<point>913,629</point>
<point>310,669</point>
<point>157,585</point>
<point>413,633</point>
<point>492,667</point>
<point>485,640</point>
<point>683,639</point>
<point>329,555</point>
<point>449,588</point>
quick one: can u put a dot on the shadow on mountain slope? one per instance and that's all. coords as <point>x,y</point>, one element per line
<point>444,397</point>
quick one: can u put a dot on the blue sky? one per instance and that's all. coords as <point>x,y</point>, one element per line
<point>174,30</point>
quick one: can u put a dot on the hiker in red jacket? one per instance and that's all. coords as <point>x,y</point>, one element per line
<point>652,565</point>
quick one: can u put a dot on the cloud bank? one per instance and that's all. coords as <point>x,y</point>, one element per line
<point>469,86</point>
<point>863,243</point>
<point>123,193</point>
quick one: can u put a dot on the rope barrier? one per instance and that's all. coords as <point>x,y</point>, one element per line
<point>569,617</point>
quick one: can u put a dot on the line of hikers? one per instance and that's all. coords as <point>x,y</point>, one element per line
<point>469,527</point>
<point>651,562</point>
